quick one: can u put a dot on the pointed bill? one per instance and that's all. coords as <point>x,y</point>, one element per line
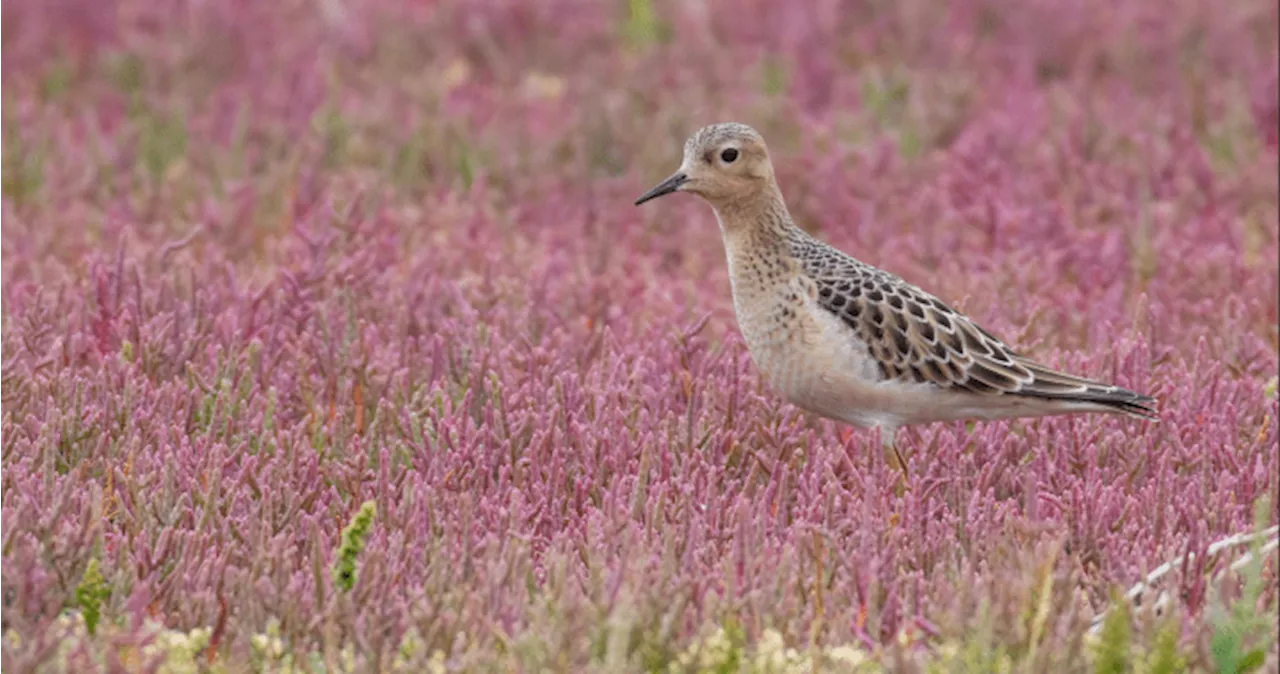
<point>667,186</point>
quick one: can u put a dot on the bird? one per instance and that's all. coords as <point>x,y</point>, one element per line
<point>848,341</point>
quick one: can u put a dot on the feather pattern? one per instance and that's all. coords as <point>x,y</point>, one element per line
<point>916,337</point>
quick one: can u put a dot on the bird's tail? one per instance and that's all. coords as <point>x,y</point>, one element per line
<point>1062,387</point>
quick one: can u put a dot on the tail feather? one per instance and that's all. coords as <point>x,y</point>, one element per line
<point>1059,386</point>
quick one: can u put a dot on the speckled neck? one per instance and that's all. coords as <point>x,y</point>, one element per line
<point>760,219</point>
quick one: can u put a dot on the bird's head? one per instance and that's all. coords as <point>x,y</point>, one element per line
<point>723,163</point>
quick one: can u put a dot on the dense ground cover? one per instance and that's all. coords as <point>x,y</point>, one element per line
<point>266,264</point>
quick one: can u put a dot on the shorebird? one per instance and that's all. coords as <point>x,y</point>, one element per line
<point>847,341</point>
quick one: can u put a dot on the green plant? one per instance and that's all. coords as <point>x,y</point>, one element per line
<point>353,538</point>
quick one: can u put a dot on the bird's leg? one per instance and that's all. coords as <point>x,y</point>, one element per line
<point>893,457</point>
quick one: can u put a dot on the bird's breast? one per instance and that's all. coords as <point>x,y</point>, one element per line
<point>775,317</point>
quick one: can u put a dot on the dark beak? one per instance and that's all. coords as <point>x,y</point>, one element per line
<point>665,187</point>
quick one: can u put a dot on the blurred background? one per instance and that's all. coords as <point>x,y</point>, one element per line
<point>264,262</point>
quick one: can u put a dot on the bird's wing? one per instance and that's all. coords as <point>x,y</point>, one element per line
<point>915,336</point>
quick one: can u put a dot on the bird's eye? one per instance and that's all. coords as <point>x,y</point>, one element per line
<point>729,155</point>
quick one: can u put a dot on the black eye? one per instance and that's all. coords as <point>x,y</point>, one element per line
<point>728,155</point>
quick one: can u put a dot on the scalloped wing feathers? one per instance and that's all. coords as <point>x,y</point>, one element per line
<point>916,337</point>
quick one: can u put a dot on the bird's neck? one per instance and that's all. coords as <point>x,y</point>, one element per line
<point>758,242</point>
<point>759,222</point>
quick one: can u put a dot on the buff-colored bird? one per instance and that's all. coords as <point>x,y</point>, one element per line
<point>850,342</point>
